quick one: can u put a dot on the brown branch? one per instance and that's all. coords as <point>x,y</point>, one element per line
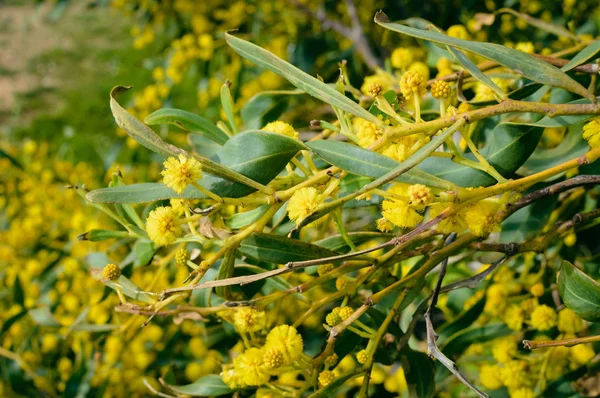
<point>549,191</point>
<point>532,345</point>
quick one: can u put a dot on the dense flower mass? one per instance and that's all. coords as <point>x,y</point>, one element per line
<point>180,172</point>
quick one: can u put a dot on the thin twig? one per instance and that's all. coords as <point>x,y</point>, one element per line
<point>532,345</point>
<point>432,349</point>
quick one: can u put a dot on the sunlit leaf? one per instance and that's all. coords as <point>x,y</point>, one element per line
<point>580,293</point>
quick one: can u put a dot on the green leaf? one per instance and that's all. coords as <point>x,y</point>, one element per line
<point>18,294</point>
<point>206,386</point>
<point>459,342</point>
<point>338,244</point>
<point>227,103</point>
<point>509,146</point>
<point>579,292</point>
<point>144,251</point>
<point>138,130</point>
<point>202,145</point>
<point>527,223</point>
<point>240,220</point>
<point>265,107</point>
<point>540,24</point>
<point>280,250</point>
<point>298,78</point>
<point>98,235</point>
<point>470,67</point>
<point>419,371</point>
<point>366,163</point>
<point>187,121</point>
<point>563,386</point>
<point>571,147</point>
<point>149,139</point>
<point>43,317</point>
<point>256,154</point>
<point>225,272</point>
<point>583,56</point>
<point>11,321</point>
<point>524,64</point>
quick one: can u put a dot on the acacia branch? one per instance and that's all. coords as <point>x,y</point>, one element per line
<point>532,345</point>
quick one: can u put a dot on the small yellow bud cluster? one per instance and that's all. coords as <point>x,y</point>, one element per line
<point>326,377</point>
<point>412,83</point>
<point>111,272</point>
<point>537,290</point>
<point>375,89</point>
<point>181,257</point>
<point>273,358</point>
<point>338,314</point>
<point>340,283</point>
<point>420,195</point>
<point>325,268</point>
<point>362,357</point>
<point>440,89</point>
<point>384,225</point>
<point>333,318</point>
<point>331,360</point>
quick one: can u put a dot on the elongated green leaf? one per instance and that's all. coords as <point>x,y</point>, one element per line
<point>540,24</point>
<point>419,371</point>
<point>527,223</point>
<point>227,103</point>
<point>366,163</point>
<point>206,386</point>
<point>258,155</point>
<point>280,250</point>
<point>202,145</point>
<point>583,56</point>
<point>144,250</point>
<point>579,292</point>
<point>459,342</point>
<point>298,78</point>
<point>509,146</point>
<point>148,138</point>
<point>187,121</point>
<point>265,107</point>
<point>225,272</point>
<point>43,317</point>
<point>138,130</point>
<point>572,146</point>
<point>524,64</point>
<point>240,220</point>
<point>470,67</point>
<point>338,244</point>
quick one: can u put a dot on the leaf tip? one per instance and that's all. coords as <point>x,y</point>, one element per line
<point>118,89</point>
<point>381,16</point>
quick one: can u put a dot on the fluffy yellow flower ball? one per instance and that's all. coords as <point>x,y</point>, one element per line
<point>162,226</point>
<point>286,339</point>
<point>402,57</point>
<point>283,128</point>
<point>303,203</point>
<point>180,172</point>
<point>543,318</point>
<point>489,376</point>
<point>250,368</point>
<point>591,132</point>
<point>326,377</point>
<point>366,132</point>
<point>570,322</point>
